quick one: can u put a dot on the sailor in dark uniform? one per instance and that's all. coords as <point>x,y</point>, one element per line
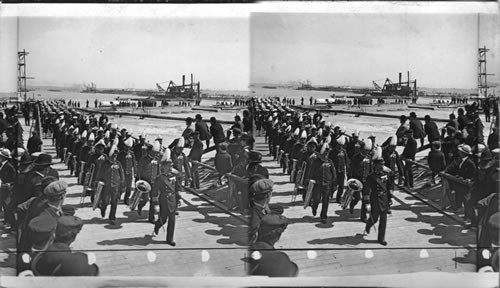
<point>376,193</point>
<point>166,189</point>
<point>127,158</point>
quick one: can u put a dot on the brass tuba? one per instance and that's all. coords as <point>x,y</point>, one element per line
<point>141,187</point>
<point>98,192</point>
<point>353,186</point>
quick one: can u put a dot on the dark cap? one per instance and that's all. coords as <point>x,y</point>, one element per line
<point>43,159</point>
<point>55,188</point>
<point>47,180</point>
<point>451,128</point>
<point>236,130</point>
<point>66,224</point>
<point>41,228</point>
<point>273,222</point>
<point>254,157</point>
<point>263,186</point>
<point>273,264</point>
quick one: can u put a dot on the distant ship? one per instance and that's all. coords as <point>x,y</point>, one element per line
<point>269,87</point>
<point>173,91</point>
<point>403,89</point>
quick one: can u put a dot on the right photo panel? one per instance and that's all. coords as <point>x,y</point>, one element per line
<point>376,143</point>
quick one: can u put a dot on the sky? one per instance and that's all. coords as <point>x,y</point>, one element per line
<point>439,50</point>
<point>135,52</point>
<point>350,47</point>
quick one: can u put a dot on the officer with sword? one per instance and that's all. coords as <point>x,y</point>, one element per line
<point>165,190</point>
<point>376,195</point>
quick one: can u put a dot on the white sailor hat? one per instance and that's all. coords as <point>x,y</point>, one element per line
<point>394,140</point>
<point>328,139</point>
<point>296,132</point>
<point>181,142</point>
<point>129,142</point>
<point>113,150</point>
<point>166,158</point>
<point>368,144</point>
<point>156,146</point>
<point>341,140</point>
<point>303,135</point>
<point>324,148</point>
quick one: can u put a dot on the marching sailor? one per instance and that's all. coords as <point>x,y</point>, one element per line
<point>392,160</point>
<point>323,172</point>
<point>165,190</point>
<point>113,177</point>
<point>97,159</point>
<point>360,169</point>
<point>148,169</point>
<point>376,193</point>
<point>339,157</point>
<point>127,158</point>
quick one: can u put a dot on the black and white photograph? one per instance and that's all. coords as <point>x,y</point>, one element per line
<point>256,145</point>
<point>370,121</point>
<point>126,128</point>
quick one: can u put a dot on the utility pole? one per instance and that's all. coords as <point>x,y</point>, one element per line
<point>22,91</point>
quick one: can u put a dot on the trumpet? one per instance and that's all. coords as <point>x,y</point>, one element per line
<point>98,192</point>
<point>308,197</point>
<point>292,173</point>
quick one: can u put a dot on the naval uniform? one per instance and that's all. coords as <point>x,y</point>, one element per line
<point>113,177</point>
<point>377,188</point>
<point>129,164</point>
<point>166,188</point>
<point>148,169</point>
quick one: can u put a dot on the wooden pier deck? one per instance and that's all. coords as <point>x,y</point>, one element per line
<point>210,242</point>
<point>420,238</point>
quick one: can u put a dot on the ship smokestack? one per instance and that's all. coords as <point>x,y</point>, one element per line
<point>408,78</point>
<point>198,90</point>
<point>183,80</point>
<point>399,79</point>
<point>191,81</point>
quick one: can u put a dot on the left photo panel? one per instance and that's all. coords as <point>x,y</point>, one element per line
<point>115,134</point>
